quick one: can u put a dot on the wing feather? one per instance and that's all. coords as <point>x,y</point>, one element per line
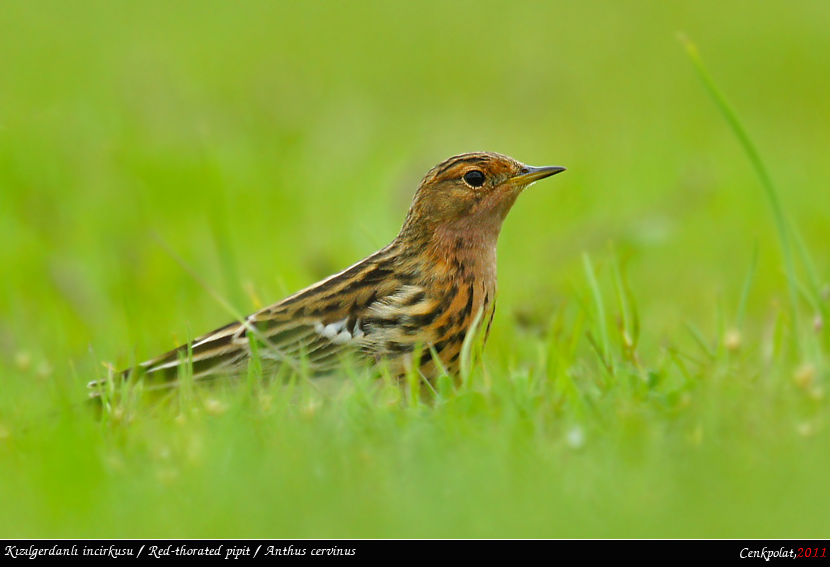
<point>316,326</point>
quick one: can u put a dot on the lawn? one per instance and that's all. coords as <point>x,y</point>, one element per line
<point>658,361</point>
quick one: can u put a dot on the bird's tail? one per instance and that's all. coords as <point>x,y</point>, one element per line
<point>216,354</point>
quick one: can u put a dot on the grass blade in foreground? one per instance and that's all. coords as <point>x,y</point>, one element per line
<point>760,169</point>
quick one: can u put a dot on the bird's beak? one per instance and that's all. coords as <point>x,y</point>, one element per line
<point>529,174</point>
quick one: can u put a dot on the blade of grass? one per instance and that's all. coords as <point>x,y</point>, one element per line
<point>753,265</point>
<point>760,170</point>
<point>467,350</point>
<point>700,339</point>
<point>812,274</point>
<point>598,305</point>
<point>621,299</point>
<point>229,308</point>
<point>629,330</point>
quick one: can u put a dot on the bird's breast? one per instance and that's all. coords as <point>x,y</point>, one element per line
<point>426,323</point>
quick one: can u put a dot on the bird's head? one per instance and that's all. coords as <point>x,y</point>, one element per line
<point>470,194</point>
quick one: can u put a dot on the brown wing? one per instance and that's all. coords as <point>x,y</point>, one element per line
<point>311,329</point>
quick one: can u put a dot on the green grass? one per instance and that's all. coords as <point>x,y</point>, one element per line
<point>657,366</point>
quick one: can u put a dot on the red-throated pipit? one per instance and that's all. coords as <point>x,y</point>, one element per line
<point>422,292</point>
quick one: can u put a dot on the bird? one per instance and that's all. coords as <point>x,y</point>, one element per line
<point>413,301</point>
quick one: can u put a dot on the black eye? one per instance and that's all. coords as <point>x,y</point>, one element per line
<point>474,178</point>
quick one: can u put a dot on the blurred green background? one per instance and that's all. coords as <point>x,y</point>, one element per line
<point>273,143</point>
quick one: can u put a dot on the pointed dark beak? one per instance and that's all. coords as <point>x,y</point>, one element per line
<point>529,174</point>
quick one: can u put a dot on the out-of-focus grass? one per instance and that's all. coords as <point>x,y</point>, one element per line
<point>647,391</point>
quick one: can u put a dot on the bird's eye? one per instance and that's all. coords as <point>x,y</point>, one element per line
<point>474,178</point>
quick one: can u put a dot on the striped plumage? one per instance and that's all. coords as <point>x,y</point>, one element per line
<point>422,291</point>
